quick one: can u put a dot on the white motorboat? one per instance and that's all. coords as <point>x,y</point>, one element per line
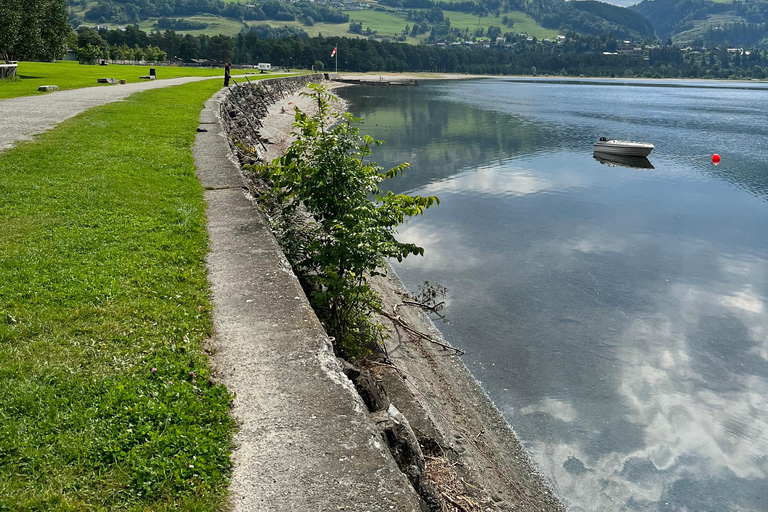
<point>622,147</point>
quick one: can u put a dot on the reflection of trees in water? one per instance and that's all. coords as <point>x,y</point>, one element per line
<point>439,138</point>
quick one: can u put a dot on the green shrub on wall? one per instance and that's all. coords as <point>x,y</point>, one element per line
<point>349,237</point>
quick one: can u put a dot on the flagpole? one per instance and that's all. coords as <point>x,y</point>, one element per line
<point>337,59</point>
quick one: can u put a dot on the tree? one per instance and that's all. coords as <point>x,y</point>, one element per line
<point>88,53</point>
<point>154,54</point>
<point>189,48</point>
<point>88,36</point>
<point>10,13</point>
<point>33,29</point>
<point>220,48</point>
<point>325,171</point>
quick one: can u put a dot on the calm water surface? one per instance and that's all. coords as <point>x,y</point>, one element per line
<point>616,316</point>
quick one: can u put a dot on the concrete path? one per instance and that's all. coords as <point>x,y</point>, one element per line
<point>306,441</point>
<point>23,118</point>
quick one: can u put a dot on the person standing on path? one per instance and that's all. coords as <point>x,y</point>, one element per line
<point>227,74</point>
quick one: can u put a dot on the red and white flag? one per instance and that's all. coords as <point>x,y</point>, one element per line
<point>333,53</point>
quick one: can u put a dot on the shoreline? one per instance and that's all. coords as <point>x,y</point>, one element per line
<point>446,404</point>
<point>430,76</point>
<point>474,460</point>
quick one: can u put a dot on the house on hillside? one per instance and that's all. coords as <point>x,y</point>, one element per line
<point>629,48</point>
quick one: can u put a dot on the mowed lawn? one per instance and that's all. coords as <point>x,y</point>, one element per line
<point>522,23</point>
<point>108,400</point>
<point>216,25</point>
<point>72,75</point>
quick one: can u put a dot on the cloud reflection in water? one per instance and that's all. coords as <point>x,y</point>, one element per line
<point>675,408</point>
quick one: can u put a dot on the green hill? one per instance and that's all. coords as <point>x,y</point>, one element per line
<point>410,21</point>
<point>706,22</point>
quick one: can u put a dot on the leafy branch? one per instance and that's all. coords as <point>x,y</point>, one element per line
<point>326,173</point>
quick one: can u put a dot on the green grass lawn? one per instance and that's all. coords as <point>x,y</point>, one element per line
<point>392,23</point>
<point>104,309</point>
<point>523,23</point>
<point>342,29</point>
<point>216,25</point>
<point>388,23</point>
<point>71,75</point>
<point>326,29</point>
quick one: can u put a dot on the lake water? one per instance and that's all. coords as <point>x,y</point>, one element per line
<point>615,315</point>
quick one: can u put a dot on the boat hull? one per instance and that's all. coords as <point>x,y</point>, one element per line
<point>632,162</point>
<point>623,148</point>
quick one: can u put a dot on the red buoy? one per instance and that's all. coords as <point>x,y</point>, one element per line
<point>715,159</point>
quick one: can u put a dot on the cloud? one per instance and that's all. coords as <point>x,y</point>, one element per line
<point>702,417</point>
<point>441,247</point>
<point>494,180</point>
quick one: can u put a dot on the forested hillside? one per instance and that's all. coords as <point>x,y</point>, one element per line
<point>586,17</point>
<point>704,22</point>
<point>134,11</point>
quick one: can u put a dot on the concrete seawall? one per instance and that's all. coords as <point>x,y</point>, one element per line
<point>305,439</point>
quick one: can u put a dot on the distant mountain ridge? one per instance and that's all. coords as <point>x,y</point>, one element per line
<point>704,22</point>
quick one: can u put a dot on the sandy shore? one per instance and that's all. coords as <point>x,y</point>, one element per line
<point>475,458</point>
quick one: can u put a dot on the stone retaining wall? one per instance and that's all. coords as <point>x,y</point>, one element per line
<point>246,104</point>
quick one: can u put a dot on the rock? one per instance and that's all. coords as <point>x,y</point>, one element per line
<point>370,391</point>
<point>397,432</point>
<point>349,369</point>
<point>48,88</point>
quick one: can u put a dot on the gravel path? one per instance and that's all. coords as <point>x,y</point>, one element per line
<point>23,118</point>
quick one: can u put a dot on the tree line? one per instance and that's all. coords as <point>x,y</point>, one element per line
<point>587,55</point>
<point>129,12</point>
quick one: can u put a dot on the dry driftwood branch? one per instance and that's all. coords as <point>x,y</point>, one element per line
<point>424,305</point>
<point>453,502</point>
<point>397,320</point>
